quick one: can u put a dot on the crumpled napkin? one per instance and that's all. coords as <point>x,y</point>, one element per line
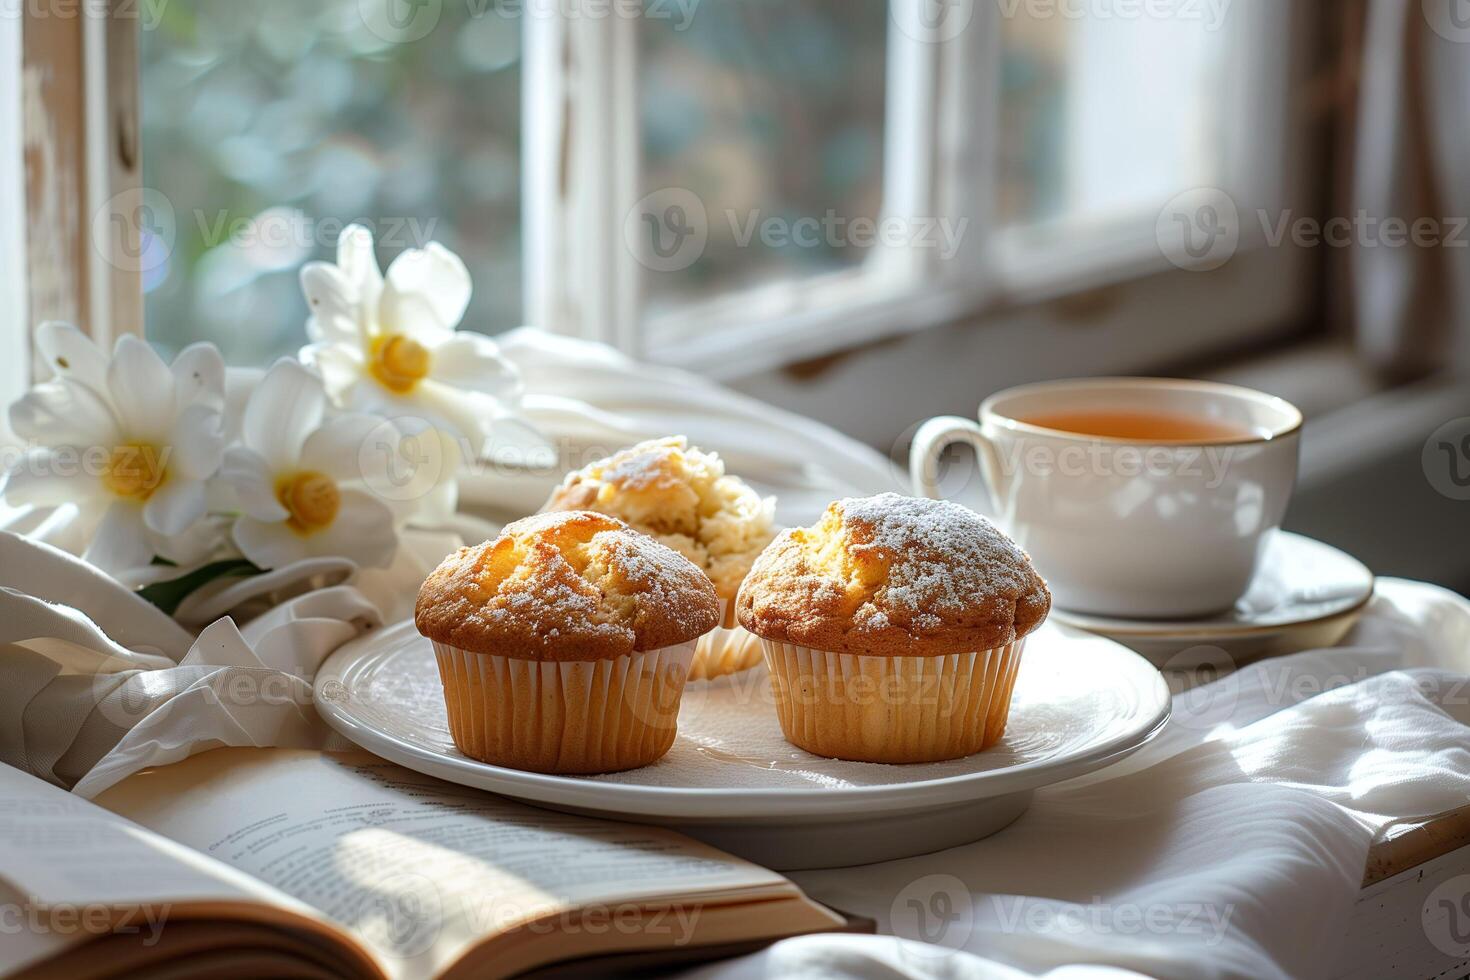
<point>588,400</point>
<point>1234,845</point>
<point>99,683</point>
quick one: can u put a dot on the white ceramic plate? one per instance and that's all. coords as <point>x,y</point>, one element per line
<point>1306,595</point>
<point>1081,702</point>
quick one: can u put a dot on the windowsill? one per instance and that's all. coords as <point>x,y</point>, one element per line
<point>1354,420</point>
<point>1318,376</point>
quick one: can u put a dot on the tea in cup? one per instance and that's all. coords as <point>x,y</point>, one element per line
<point>1136,497</point>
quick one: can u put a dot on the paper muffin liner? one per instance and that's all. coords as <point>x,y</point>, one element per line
<point>568,717</point>
<point>892,709</point>
<point>726,649</point>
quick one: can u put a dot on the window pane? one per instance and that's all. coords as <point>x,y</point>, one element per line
<point>769,112</point>
<point>1111,110</point>
<point>268,124</point>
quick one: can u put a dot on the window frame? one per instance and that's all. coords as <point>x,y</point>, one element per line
<point>73,167</point>
<point>944,98</point>
<point>580,145</point>
<point>14,282</point>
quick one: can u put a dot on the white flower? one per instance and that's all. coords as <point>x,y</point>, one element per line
<point>129,440</point>
<point>300,481</point>
<point>390,345</point>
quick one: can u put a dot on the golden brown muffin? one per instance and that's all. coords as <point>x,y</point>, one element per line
<point>564,645</point>
<point>682,497</point>
<point>894,576</point>
<point>566,586</point>
<point>893,629</point>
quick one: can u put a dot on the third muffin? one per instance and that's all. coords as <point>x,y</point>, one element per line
<point>893,629</point>
<point>682,497</point>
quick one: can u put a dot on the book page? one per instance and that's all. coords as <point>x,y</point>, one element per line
<point>421,869</point>
<point>75,872</point>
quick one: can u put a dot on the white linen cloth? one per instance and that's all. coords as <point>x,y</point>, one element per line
<point>1232,846</point>
<point>590,400</point>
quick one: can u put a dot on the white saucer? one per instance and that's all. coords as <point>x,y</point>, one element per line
<point>1081,702</point>
<point>1307,595</point>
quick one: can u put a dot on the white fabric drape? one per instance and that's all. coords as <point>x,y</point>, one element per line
<point>1233,846</point>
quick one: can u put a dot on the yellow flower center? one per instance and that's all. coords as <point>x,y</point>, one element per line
<point>398,362</point>
<point>312,499</point>
<point>135,471</point>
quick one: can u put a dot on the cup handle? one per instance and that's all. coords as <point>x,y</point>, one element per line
<point>937,435</point>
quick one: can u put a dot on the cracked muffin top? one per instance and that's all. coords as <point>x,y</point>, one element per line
<point>681,496</point>
<point>894,576</point>
<point>566,586</point>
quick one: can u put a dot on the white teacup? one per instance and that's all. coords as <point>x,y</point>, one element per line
<point>1139,528</point>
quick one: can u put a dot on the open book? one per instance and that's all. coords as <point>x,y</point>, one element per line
<point>258,862</point>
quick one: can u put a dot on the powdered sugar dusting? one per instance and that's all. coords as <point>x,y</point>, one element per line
<point>894,575</point>
<point>943,559</point>
<point>568,585</point>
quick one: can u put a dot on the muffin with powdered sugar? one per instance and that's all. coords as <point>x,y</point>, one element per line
<point>893,628</point>
<point>564,644</point>
<point>682,497</point>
